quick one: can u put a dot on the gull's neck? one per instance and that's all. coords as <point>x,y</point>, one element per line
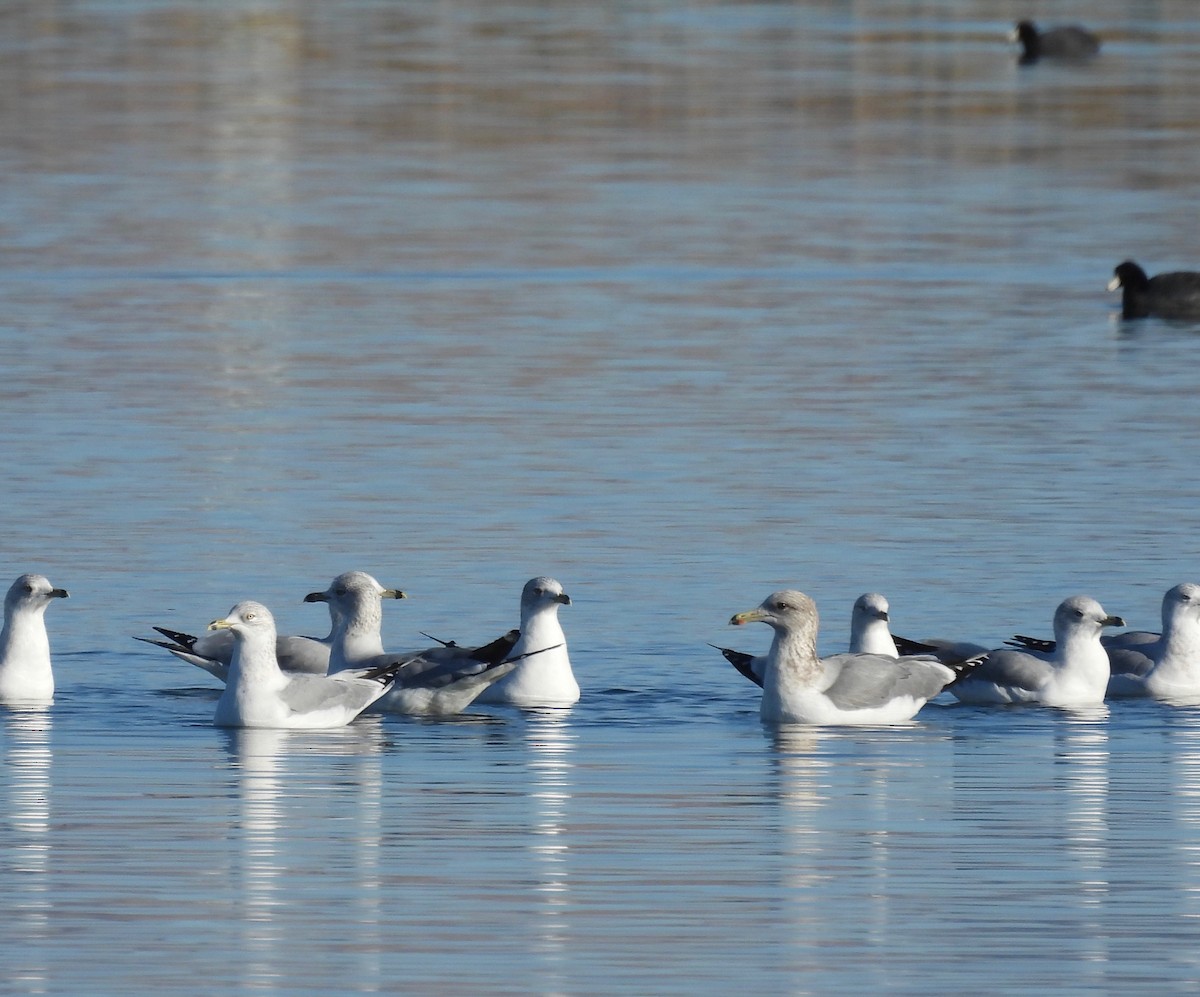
<point>1179,650</point>
<point>540,629</point>
<point>793,656</point>
<point>254,664</point>
<point>357,637</point>
<point>1082,670</point>
<point>25,672</point>
<point>24,635</point>
<point>1181,637</point>
<point>872,637</point>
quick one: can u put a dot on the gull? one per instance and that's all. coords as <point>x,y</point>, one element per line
<point>1074,674</point>
<point>356,607</point>
<point>1164,665</point>
<point>214,651</point>
<point>544,677</point>
<point>800,687</point>
<point>25,673</point>
<point>869,634</point>
<point>259,694</point>
<point>437,681</point>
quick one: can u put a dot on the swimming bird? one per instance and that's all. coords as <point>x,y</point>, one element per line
<point>1074,674</point>
<point>1069,43</point>
<point>436,681</point>
<point>869,634</point>
<point>25,672</point>
<point>356,607</point>
<point>1166,295</point>
<point>259,694</point>
<point>305,655</point>
<point>800,687</point>
<point>543,677</point>
<point>1164,665</point>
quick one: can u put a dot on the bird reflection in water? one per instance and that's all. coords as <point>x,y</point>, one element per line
<point>551,741</point>
<point>27,753</point>
<point>280,774</point>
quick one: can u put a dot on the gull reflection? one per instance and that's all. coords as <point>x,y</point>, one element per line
<point>1082,762</point>
<point>1185,794</point>
<point>802,772</point>
<point>551,742</point>
<point>259,755</point>
<point>27,754</point>
<point>279,775</point>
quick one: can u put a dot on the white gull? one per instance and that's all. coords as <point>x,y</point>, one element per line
<point>800,687</point>
<point>25,672</point>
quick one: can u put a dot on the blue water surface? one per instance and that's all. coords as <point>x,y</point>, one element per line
<point>679,303</point>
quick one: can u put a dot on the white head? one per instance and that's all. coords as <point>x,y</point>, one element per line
<point>251,622</point>
<point>1181,607</point>
<point>542,593</point>
<point>354,599</point>
<point>870,606</point>
<point>1081,616</point>
<point>31,592</point>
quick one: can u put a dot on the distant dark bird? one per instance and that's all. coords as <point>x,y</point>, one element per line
<point>1066,44</point>
<point>1168,295</point>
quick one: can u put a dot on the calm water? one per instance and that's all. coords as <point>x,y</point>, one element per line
<point>680,303</point>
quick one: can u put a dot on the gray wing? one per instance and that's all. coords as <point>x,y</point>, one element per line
<point>302,654</point>
<point>1130,666</point>
<point>948,652</point>
<point>448,699</point>
<point>861,681</point>
<point>1130,638</point>
<point>310,693</point>
<point>436,667</point>
<point>214,651</point>
<point>1026,671</point>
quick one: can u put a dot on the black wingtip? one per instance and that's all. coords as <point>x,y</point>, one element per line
<point>907,646</point>
<point>963,669</point>
<point>185,641</point>
<point>1031,643</point>
<point>742,661</point>
<point>499,649</point>
<point>159,643</point>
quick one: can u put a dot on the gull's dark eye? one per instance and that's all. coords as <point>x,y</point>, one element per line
<point>539,591</point>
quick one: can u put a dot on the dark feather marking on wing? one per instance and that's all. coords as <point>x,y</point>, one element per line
<point>741,661</point>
